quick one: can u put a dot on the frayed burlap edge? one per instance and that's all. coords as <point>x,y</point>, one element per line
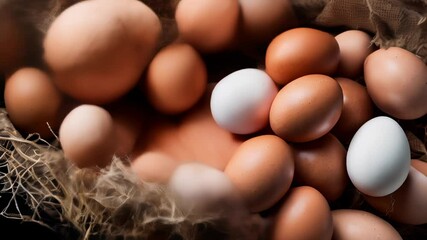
<point>109,202</point>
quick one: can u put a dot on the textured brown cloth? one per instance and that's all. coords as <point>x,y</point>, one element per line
<point>401,23</point>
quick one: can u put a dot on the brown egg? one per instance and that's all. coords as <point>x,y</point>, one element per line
<point>208,25</point>
<point>87,136</point>
<point>154,167</point>
<point>357,109</point>
<point>32,101</point>
<point>306,108</point>
<point>176,79</point>
<point>128,120</point>
<point>304,214</point>
<point>321,164</point>
<point>262,169</point>
<point>355,46</point>
<point>352,224</point>
<point>397,83</point>
<point>262,20</point>
<point>301,51</point>
<point>97,50</point>
<point>194,136</point>
<point>408,204</point>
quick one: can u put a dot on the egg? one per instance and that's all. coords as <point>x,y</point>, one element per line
<point>200,188</point>
<point>396,80</point>
<point>87,136</point>
<point>240,102</point>
<point>304,214</point>
<point>301,51</point>
<point>33,102</point>
<point>209,25</point>
<point>194,135</point>
<point>98,58</point>
<point>128,119</point>
<point>355,46</point>
<point>378,157</point>
<point>407,204</point>
<point>176,78</point>
<point>321,164</point>
<point>154,167</point>
<point>306,108</point>
<point>262,169</point>
<point>357,109</point>
<point>355,224</point>
<point>262,20</point>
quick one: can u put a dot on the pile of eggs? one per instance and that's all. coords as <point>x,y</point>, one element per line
<point>317,115</point>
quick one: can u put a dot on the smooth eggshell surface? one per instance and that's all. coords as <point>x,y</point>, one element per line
<point>33,102</point>
<point>357,109</point>
<point>262,169</point>
<point>352,224</point>
<point>396,80</point>
<point>408,204</point>
<point>306,108</point>
<point>378,157</point>
<point>87,136</point>
<point>304,214</point>
<point>208,25</point>
<point>301,51</point>
<point>241,101</point>
<point>321,164</point>
<point>176,79</point>
<point>97,50</point>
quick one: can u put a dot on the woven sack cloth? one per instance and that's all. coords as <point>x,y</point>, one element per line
<point>400,23</point>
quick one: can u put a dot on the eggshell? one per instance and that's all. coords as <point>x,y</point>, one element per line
<point>208,25</point>
<point>321,164</point>
<point>352,224</point>
<point>176,78</point>
<point>97,50</point>
<point>355,46</point>
<point>304,214</point>
<point>378,157</point>
<point>154,167</point>
<point>32,101</point>
<point>262,169</point>
<point>357,109</point>
<point>87,136</point>
<point>262,20</point>
<point>198,187</point>
<point>301,51</point>
<point>191,136</point>
<point>306,108</point>
<point>241,101</point>
<point>396,80</point>
<point>407,204</point>
<point>128,119</point>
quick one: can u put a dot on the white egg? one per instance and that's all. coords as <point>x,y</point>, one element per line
<point>378,157</point>
<point>241,101</point>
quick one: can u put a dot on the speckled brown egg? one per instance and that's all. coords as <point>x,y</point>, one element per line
<point>306,108</point>
<point>357,109</point>
<point>304,214</point>
<point>262,169</point>
<point>321,164</point>
<point>301,51</point>
<point>396,80</point>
